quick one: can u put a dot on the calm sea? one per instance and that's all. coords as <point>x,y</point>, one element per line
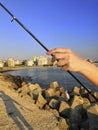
<point>44,76</point>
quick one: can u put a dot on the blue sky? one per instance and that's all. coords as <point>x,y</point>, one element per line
<point>56,23</point>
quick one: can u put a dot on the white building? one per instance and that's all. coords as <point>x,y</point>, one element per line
<point>18,62</point>
<point>42,60</point>
<point>1,64</point>
<point>29,62</point>
<point>11,62</point>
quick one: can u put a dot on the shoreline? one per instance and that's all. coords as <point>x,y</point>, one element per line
<point>6,69</point>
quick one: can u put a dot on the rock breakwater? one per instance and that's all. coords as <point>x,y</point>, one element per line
<point>75,110</point>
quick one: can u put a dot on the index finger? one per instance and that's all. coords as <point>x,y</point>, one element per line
<point>58,50</point>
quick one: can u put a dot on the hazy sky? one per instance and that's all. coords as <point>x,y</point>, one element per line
<point>56,23</point>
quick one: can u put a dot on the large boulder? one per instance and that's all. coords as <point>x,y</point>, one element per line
<point>35,88</point>
<point>24,90</point>
<point>86,103</point>
<point>8,81</point>
<point>54,85</point>
<point>75,114</point>
<point>64,109</point>
<point>76,90</point>
<point>63,125</point>
<point>92,113</point>
<point>54,104</point>
<point>41,101</point>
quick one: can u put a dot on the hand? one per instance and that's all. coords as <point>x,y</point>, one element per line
<point>66,59</point>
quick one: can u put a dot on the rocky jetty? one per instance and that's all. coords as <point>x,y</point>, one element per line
<point>75,110</point>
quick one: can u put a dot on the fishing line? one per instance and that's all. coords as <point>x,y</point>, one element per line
<point>37,40</point>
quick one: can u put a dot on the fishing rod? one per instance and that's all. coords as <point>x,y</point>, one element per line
<point>37,40</point>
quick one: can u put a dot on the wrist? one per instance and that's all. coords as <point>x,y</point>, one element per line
<point>85,66</point>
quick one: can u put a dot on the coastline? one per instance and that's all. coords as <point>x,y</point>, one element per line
<point>6,69</point>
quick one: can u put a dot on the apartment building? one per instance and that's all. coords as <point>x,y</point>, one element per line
<point>11,62</point>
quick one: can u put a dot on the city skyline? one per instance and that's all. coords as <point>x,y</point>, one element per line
<point>38,61</point>
<point>70,24</point>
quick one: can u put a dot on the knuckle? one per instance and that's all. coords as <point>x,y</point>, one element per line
<point>68,50</point>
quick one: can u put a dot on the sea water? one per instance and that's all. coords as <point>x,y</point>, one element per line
<point>45,75</point>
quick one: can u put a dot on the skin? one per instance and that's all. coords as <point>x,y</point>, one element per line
<point>68,60</point>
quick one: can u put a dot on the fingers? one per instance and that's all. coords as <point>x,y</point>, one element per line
<point>59,56</point>
<point>65,67</point>
<point>66,59</point>
<point>63,62</point>
<point>62,56</point>
<point>58,50</point>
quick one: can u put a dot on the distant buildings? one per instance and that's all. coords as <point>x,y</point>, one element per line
<point>42,60</point>
<point>36,60</point>
<point>1,64</point>
<point>18,62</point>
<point>11,62</point>
<point>29,62</point>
